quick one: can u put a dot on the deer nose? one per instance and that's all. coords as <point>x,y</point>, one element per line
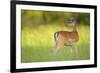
<point>69,21</point>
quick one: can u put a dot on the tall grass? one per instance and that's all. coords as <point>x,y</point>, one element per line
<point>37,44</point>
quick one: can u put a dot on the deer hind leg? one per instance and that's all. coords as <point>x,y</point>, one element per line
<point>58,43</point>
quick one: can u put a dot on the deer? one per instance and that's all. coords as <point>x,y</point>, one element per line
<point>67,37</point>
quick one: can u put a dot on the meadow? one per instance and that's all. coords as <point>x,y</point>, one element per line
<point>37,44</point>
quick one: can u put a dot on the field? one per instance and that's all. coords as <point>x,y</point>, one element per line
<point>37,44</point>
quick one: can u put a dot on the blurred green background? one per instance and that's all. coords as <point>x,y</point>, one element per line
<point>37,35</point>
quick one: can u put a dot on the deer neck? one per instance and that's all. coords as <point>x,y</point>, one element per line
<point>74,27</point>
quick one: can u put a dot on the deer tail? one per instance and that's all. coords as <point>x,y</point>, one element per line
<point>56,38</point>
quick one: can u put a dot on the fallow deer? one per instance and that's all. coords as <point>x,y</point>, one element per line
<point>67,37</point>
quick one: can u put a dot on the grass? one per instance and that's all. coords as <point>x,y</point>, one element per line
<point>37,44</point>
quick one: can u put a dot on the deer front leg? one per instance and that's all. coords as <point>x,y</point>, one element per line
<point>74,46</point>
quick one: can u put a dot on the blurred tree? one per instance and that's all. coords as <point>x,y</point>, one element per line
<point>34,18</point>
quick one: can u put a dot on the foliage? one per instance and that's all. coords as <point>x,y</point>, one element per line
<point>38,28</point>
<point>32,18</point>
